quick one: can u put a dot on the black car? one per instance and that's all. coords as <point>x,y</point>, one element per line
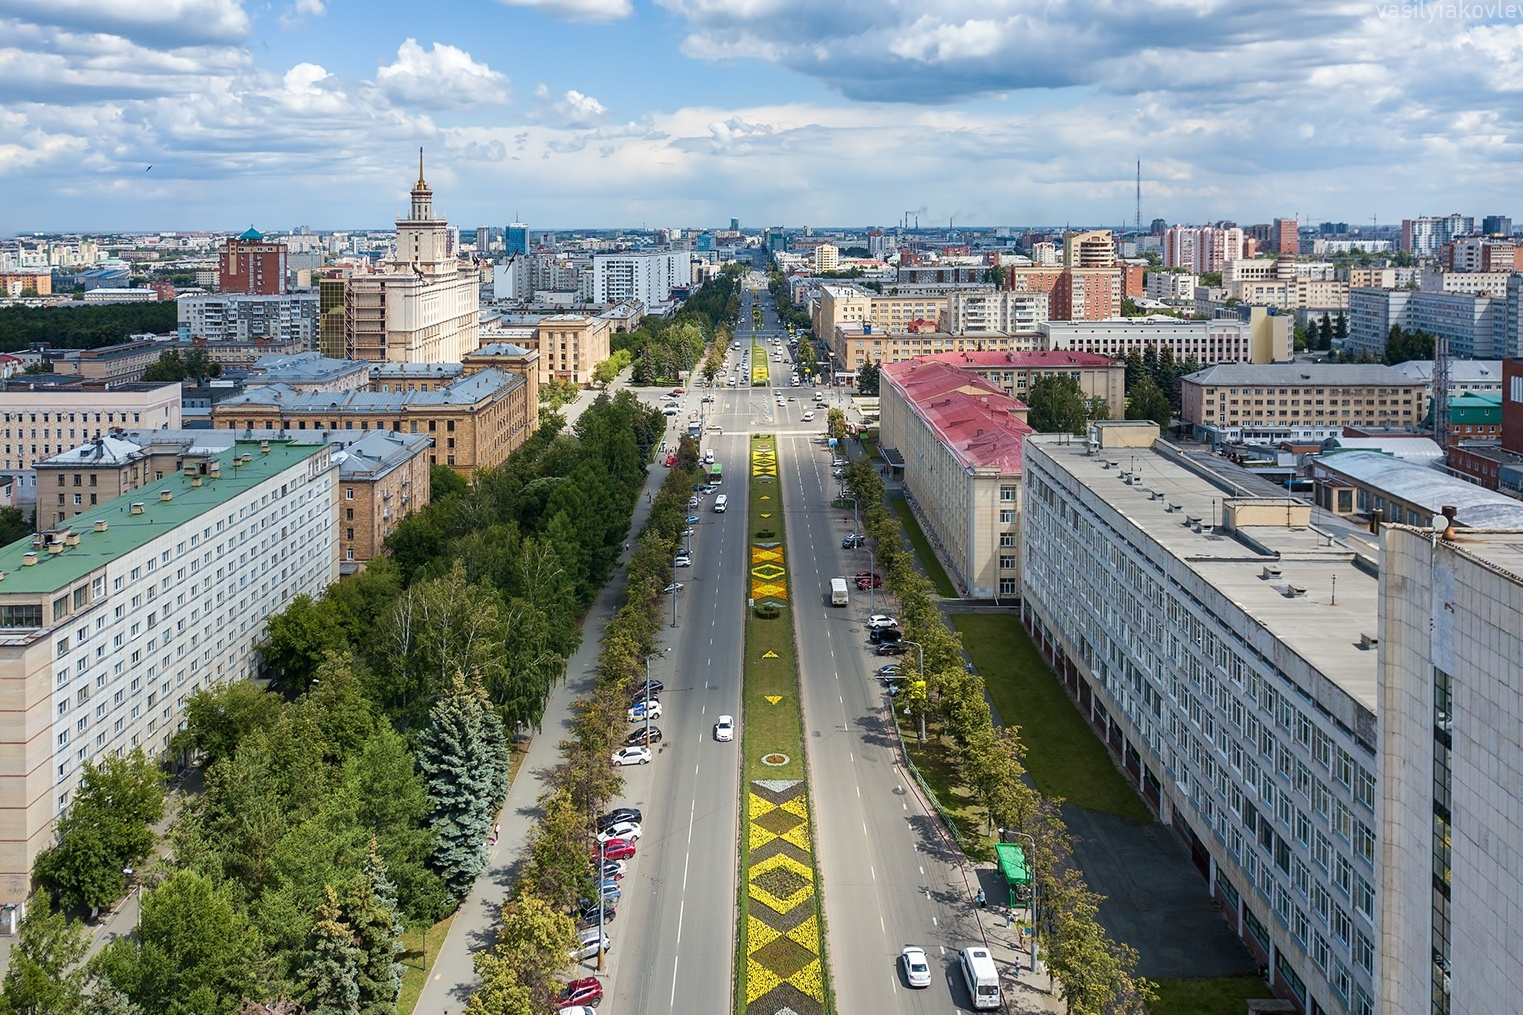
<point>892,648</point>
<point>589,913</point>
<point>651,687</point>
<point>617,815</point>
<point>853,541</point>
<point>643,737</point>
<point>884,635</point>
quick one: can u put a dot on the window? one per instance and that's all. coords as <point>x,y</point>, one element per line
<point>1007,517</point>
<point>1007,562</point>
<point>349,493</point>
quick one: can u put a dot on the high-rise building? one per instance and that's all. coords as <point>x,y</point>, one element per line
<point>1201,249</point>
<point>515,239</point>
<point>647,276</point>
<point>734,225</point>
<point>1496,225</point>
<point>1093,249</point>
<point>1287,237</point>
<point>330,316</point>
<point>252,265</point>
<point>1423,236</point>
<point>483,239</point>
<point>825,257</point>
<point>422,307</point>
<point>1158,227</point>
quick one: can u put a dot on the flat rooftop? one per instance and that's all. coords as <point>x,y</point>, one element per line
<point>1341,600</point>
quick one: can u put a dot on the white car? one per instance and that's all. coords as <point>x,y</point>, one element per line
<point>637,714</point>
<point>808,415</point>
<point>917,971</point>
<point>724,729</point>
<point>587,944</point>
<point>620,830</point>
<point>682,560</point>
<point>631,756</point>
<point>881,620</point>
<point>577,1009</point>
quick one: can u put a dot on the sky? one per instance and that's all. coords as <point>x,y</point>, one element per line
<point>686,113</point>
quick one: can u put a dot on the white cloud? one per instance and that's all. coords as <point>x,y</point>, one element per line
<point>578,10</point>
<point>441,78</point>
<point>152,22</point>
<point>298,13</point>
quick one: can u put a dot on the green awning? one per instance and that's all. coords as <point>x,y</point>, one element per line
<point>1012,863</point>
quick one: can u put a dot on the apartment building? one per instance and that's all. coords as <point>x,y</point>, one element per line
<point>1475,325</point>
<point>1424,236</point>
<point>840,304</point>
<point>1093,249</point>
<point>1290,293</point>
<point>383,478</point>
<point>1169,286</point>
<point>112,621</point>
<point>855,344</point>
<point>476,421</point>
<point>14,283</point>
<point>1015,372</point>
<point>1224,649</point>
<point>222,317</point>
<point>1260,339</point>
<point>1202,249</point>
<point>996,310</point>
<point>39,421</point>
<point>252,265</point>
<point>957,439</point>
<point>1272,402</point>
<point>647,276</point>
<point>569,346</point>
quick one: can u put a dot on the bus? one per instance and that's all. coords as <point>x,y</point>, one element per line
<point>716,474</point>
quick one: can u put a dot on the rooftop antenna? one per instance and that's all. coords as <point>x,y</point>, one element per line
<point>1137,224</point>
<point>1441,393</point>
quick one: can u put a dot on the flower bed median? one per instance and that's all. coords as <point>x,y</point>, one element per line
<point>780,939</point>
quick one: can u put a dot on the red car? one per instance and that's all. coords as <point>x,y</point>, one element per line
<point>616,849</point>
<point>678,391</point>
<point>671,460</point>
<point>587,991</point>
<point>866,580</point>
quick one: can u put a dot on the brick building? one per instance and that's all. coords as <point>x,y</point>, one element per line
<point>252,265</point>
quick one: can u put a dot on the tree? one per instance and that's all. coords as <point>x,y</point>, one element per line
<point>199,365</point>
<point>169,368</point>
<point>1211,279</point>
<point>869,377</point>
<point>1325,332</point>
<point>330,970</point>
<point>13,525</point>
<point>1057,405</point>
<point>462,757</point>
<point>44,977</point>
<point>371,907</point>
<point>808,365</point>
<point>518,974</point>
<point>444,481</point>
<point>1340,326</point>
<point>1147,401</point>
<point>218,718</point>
<point>108,827</point>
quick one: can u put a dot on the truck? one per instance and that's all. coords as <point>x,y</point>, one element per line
<point>838,596</point>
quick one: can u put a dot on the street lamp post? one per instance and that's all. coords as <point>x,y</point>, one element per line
<point>920,669</point>
<point>602,861</point>
<point>872,581</point>
<point>856,526</point>
<point>136,883</point>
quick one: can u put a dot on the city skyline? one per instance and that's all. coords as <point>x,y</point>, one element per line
<point>209,114</point>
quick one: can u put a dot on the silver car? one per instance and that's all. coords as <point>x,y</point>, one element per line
<point>587,944</point>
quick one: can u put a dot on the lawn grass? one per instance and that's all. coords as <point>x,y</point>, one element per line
<point>934,760</point>
<point>1063,755</point>
<point>415,963</point>
<point>922,545</point>
<point>1219,995</point>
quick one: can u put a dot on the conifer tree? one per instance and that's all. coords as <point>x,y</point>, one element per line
<point>330,974</point>
<point>371,908</point>
<point>462,755</point>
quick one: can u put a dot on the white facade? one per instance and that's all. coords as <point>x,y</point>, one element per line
<point>102,642</point>
<point>233,317</point>
<point>1451,696</point>
<point>1236,691</point>
<point>994,311</point>
<point>1207,342</point>
<point>1477,326</point>
<point>1169,285</point>
<point>647,276</point>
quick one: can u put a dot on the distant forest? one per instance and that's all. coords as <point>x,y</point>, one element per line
<point>82,327</point>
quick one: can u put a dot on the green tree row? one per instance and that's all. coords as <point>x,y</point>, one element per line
<point>83,327</point>
<point>194,365</point>
<point>662,348</point>
<point>1097,974</point>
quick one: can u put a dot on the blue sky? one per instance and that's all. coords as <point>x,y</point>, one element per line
<point>615,113</point>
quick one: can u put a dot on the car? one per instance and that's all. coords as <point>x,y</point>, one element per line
<point>873,578</point>
<point>617,815</point>
<point>682,560</point>
<point>892,648</point>
<point>588,912</point>
<point>588,991</point>
<point>707,398</point>
<point>671,460</point>
<point>673,587</point>
<point>631,756</point>
<point>669,411</point>
<point>694,501</point>
<point>587,944</point>
<point>615,849</point>
<point>839,463</point>
<point>688,533</point>
<point>881,620</point>
<point>917,971</point>
<point>808,415</point>
<point>670,405</point>
<point>724,729</point>
<point>691,520</point>
<point>678,391</point>
<point>708,457</point>
<point>575,1009</point>
<point>853,540</point>
<point>654,687</point>
<point>640,711</point>
<point>623,830</point>
<point>884,635</point>
<point>714,428</point>
<point>610,868</point>
<point>890,671</point>
<point>642,738</point>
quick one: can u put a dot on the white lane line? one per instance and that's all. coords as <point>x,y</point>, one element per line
<point>934,923</point>
<point>922,872</point>
<point>874,870</point>
<point>674,979</point>
<point>864,828</point>
<point>859,791</point>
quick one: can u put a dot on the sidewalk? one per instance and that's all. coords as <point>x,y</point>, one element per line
<point>1026,990</point>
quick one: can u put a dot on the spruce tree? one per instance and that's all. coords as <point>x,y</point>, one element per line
<point>461,755</point>
<point>371,908</point>
<point>330,972</point>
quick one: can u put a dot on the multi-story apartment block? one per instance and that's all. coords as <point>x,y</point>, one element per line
<point>1291,293</point>
<point>1088,294</point>
<point>1099,377</point>
<point>112,621</point>
<point>251,265</point>
<point>957,441</point>
<point>941,274</point>
<point>383,478</point>
<point>422,308</point>
<point>1202,249</point>
<point>1093,249</point>
<point>42,420</point>
<point>1481,253</point>
<point>1425,235</point>
<point>116,364</point>
<point>1224,650</point>
<point>855,344</point>
<point>997,310</point>
<point>1273,402</point>
<point>569,346</point>
<point>826,257</point>
<point>31,282</point>
<point>839,304</point>
<point>1261,339</point>
<point>242,318</point>
<point>1169,286</point>
<point>1451,887</point>
<point>1383,278</point>
<point>1484,283</point>
<point>476,421</point>
<point>647,276</point>
<point>1286,237</point>
<point>1466,376</point>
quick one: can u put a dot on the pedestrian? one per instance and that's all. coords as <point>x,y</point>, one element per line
<point>981,898</point>
<point>496,832</point>
<point>1008,916</point>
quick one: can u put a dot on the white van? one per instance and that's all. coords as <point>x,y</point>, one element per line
<point>981,976</point>
<point>721,503</point>
<point>838,595</point>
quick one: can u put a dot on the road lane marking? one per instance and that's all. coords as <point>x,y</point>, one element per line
<point>674,979</point>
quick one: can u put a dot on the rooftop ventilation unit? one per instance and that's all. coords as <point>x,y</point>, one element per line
<point>1270,572</point>
<point>101,525</point>
<point>137,507</point>
<point>1296,591</point>
<point>165,496</point>
<point>29,558</point>
<point>1368,641</point>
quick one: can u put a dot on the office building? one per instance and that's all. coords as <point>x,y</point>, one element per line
<point>310,371</point>
<point>647,276</point>
<point>42,420</point>
<point>330,316</point>
<point>855,344</point>
<point>1466,376</point>
<point>1225,651</point>
<point>1169,286</point>
<point>956,442</point>
<point>422,307</point>
<point>1496,225</point>
<point>1422,237</point>
<point>383,478</point>
<point>1476,325</point>
<point>516,239</point>
<point>994,310</point>
<point>1261,339</point>
<point>838,304</point>
<point>476,421</point>
<point>115,619</point>
<point>251,265</point>
<point>570,346</point>
<point>1272,402</point>
<point>116,364</point>
<point>1014,373</point>
<point>235,317</point>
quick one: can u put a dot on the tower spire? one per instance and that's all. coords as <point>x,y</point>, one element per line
<point>421,184</point>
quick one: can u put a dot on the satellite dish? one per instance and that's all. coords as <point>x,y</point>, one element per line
<point>1440,523</point>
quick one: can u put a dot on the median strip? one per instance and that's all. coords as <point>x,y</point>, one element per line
<point>780,940</point>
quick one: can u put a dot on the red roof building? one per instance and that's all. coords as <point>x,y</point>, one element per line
<point>1015,372</point>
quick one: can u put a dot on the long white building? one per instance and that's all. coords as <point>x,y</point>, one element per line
<point>647,276</point>
<point>1262,339</point>
<point>107,624</point>
<point>1225,648</point>
<point>291,317</point>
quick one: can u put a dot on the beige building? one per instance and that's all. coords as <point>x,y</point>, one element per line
<point>1015,372</point>
<point>124,361</point>
<point>38,421</point>
<point>423,306</point>
<point>956,441</point>
<point>14,283</point>
<point>570,345</point>
<point>826,257</point>
<point>841,304</point>
<point>1291,293</point>
<point>997,310</point>
<point>1267,403</point>
<point>383,478</point>
<point>110,623</point>
<point>1093,249</point>
<point>476,421</point>
<point>855,344</point>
